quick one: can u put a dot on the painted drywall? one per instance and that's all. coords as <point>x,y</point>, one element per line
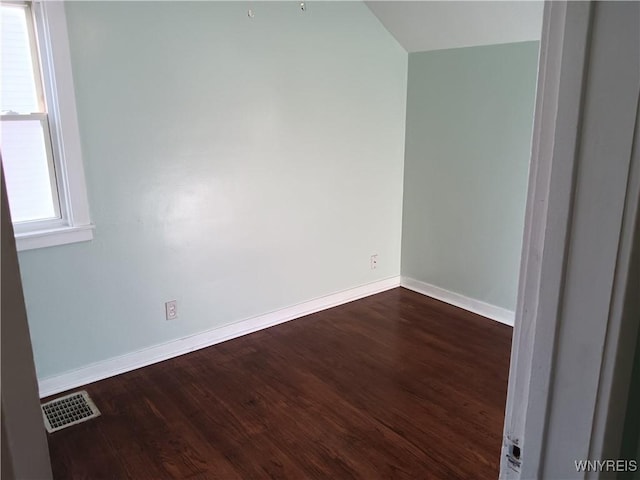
<point>238,165</point>
<point>468,137</point>
<point>420,26</point>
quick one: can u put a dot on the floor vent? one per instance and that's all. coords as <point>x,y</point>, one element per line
<point>68,410</point>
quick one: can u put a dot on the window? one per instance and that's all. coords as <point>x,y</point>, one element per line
<point>39,140</point>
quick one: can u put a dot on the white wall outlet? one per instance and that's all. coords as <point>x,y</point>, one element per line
<point>374,261</point>
<point>171,310</point>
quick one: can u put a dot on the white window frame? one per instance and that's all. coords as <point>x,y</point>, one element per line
<point>74,224</point>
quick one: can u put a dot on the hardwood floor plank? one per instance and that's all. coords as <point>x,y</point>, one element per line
<point>396,385</point>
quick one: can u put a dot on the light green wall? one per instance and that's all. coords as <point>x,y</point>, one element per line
<point>237,165</point>
<point>245,165</point>
<point>469,123</point>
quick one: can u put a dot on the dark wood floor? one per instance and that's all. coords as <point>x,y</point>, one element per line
<point>396,385</point>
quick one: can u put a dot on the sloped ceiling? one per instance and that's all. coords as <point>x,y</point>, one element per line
<point>425,25</point>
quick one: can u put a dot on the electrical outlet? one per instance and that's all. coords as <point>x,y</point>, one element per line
<point>374,261</point>
<point>171,310</point>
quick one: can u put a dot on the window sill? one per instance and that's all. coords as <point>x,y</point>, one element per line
<point>53,236</point>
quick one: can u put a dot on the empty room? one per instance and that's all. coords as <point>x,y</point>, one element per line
<point>292,239</point>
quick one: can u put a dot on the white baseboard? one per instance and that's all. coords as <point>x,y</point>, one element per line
<point>132,361</point>
<point>498,314</point>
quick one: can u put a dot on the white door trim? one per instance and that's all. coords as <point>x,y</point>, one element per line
<point>579,220</point>
<point>557,102</point>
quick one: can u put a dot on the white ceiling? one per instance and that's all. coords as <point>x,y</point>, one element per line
<point>426,25</point>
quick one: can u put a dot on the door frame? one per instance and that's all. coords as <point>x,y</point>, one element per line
<point>573,344</point>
